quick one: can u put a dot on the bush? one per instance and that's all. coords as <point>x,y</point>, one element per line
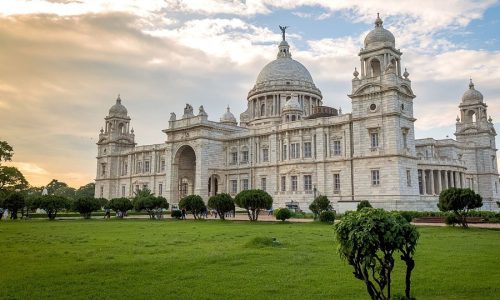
<point>222,203</point>
<point>120,205</point>
<point>14,202</point>
<point>193,204</point>
<point>144,200</point>
<point>320,204</point>
<point>177,214</point>
<point>254,201</point>
<point>327,217</point>
<point>408,215</point>
<point>362,204</point>
<point>52,204</point>
<point>283,214</point>
<point>85,206</point>
<point>451,220</point>
<point>459,201</point>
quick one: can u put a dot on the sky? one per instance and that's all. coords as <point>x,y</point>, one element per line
<point>63,63</point>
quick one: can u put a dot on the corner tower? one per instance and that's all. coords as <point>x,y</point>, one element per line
<point>384,156</point>
<point>476,133</point>
<point>115,138</point>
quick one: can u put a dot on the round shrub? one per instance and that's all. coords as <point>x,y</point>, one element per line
<point>327,217</point>
<point>362,204</point>
<point>283,214</point>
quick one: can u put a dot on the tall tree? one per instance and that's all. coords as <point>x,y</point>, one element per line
<point>12,179</point>
<point>85,191</point>
<point>6,151</point>
<point>54,185</point>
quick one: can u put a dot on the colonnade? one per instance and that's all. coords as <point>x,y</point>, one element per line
<point>432,182</point>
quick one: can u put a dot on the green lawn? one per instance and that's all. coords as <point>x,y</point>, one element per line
<point>133,259</point>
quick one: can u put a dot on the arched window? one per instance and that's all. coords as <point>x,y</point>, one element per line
<point>121,128</point>
<point>287,118</point>
<point>375,65</point>
<point>262,109</point>
<point>293,118</point>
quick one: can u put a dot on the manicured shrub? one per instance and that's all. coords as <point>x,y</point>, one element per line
<point>222,203</point>
<point>85,206</point>
<point>14,202</point>
<point>177,214</point>
<point>193,204</point>
<point>320,204</point>
<point>283,214</point>
<point>121,206</point>
<point>408,215</point>
<point>451,220</point>
<point>327,217</point>
<point>362,204</point>
<point>144,200</point>
<point>254,201</point>
<point>459,201</point>
<point>52,204</point>
<point>368,239</point>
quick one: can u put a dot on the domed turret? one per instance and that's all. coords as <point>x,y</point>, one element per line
<point>228,118</point>
<point>379,36</point>
<point>292,105</point>
<point>472,95</point>
<point>118,110</point>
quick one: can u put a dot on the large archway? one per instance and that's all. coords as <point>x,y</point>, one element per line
<point>185,165</point>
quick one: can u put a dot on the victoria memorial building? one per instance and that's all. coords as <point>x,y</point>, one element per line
<point>295,148</point>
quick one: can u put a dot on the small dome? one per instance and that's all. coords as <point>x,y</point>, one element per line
<point>228,118</point>
<point>471,95</point>
<point>379,36</point>
<point>118,110</point>
<point>292,104</point>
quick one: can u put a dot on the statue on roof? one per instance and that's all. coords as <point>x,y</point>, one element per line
<point>283,29</point>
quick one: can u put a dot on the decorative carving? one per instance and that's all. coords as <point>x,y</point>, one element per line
<point>188,111</point>
<point>283,29</point>
<point>202,111</point>
<point>173,117</point>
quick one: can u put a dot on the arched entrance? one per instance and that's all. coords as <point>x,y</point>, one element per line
<point>185,165</point>
<point>213,185</point>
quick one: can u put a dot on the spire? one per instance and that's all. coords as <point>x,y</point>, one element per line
<point>378,21</point>
<point>283,48</point>
<point>118,100</point>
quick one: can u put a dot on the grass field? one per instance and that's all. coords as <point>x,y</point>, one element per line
<point>143,259</point>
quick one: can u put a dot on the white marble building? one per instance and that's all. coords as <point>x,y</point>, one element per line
<point>290,145</point>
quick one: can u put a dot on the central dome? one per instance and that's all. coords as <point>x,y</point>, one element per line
<point>284,69</point>
<point>284,74</point>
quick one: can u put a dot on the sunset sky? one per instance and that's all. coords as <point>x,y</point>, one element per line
<point>63,63</point>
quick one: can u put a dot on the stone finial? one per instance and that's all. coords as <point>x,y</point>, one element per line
<point>471,84</point>
<point>355,73</point>
<point>132,131</point>
<point>201,111</point>
<point>102,130</point>
<point>173,117</point>
<point>378,21</point>
<point>188,111</point>
<point>458,119</point>
<point>490,120</point>
<point>406,74</point>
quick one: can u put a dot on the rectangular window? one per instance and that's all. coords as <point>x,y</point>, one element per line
<point>265,154</point>
<point>136,188</point>
<point>162,165</point>
<point>138,167</point>
<point>307,149</point>
<point>405,140</point>
<point>123,191</point>
<point>375,177</point>
<point>101,192</point>
<point>103,170</point>
<point>408,177</point>
<point>307,183</point>
<point>284,152</point>
<point>263,183</point>
<point>244,184</point>
<point>294,183</point>
<point>244,156</point>
<point>336,182</point>
<point>234,158</point>
<point>160,189</point>
<point>234,186</point>
<point>146,166</point>
<point>336,148</point>
<point>125,168</point>
<point>374,140</point>
<point>295,150</point>
<point>283,183</point>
